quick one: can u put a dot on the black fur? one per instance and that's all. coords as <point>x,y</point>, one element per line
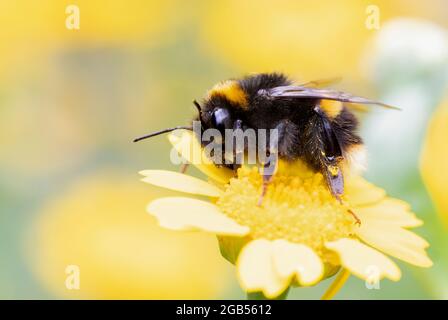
<point>306,132</point>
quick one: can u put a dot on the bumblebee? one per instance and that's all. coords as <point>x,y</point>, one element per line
<point>314,124</point>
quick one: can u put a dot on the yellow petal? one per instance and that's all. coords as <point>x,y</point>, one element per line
<point>363,261</point>
<point>360,192</point>
<point>179,213</point>
<point>297,260</point>
<point>190,149</point>
<point>391,233</point>
<point>180,182</point>
<point>256,270</point>
<point>389,211</point>
<point>395,241</point>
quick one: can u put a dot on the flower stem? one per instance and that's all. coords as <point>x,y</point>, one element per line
<point>337,284</point>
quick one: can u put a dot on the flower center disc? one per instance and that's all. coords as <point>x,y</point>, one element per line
<point>297,207</point>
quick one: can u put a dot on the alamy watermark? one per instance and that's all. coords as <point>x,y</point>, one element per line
<point>73,279</point>
<point>373,17</point>
<point>373,278</point>
<point>73,19</point>
<point>233,147</point>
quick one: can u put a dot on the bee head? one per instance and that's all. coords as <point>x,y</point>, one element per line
<point>217,114</point>
<point>223,105</point>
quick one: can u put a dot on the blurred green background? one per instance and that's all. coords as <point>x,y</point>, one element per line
<point>72,100</point>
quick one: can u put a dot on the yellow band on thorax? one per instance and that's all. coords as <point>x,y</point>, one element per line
<point>232,91</point>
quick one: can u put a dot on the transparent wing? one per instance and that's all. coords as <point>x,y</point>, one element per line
<point>329,94</point>
<point>321,82</point>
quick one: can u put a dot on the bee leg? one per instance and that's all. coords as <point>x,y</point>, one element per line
<point>238,149</point>
<point>269,169</point>
<point>284,134</point>
<point>266,180</point>
<point>335,181</point>
<point>184,167</point>
<point>349,210</point>
<point>357,220</point>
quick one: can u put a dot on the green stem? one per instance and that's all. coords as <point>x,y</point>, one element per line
<point>337,284</point>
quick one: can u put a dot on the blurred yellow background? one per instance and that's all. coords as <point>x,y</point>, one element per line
<point>71,100</point>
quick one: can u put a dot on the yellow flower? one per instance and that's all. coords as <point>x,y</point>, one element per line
<point>98,225</point>
<point>301,234</point>
<point>433,160</point>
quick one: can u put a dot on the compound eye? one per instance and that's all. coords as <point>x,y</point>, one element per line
<point>221,119</point>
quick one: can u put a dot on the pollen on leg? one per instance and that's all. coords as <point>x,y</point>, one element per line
<point>297,207</point>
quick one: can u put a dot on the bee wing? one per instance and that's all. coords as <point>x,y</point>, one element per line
<point>321,82</point>
<point>329,94</point>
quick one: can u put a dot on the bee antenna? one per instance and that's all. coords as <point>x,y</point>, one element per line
<point>153,134</point>
<point>198,106</point>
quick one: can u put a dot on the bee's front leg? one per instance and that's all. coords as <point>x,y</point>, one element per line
<point>282,140</point>
<point>269,169</point>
